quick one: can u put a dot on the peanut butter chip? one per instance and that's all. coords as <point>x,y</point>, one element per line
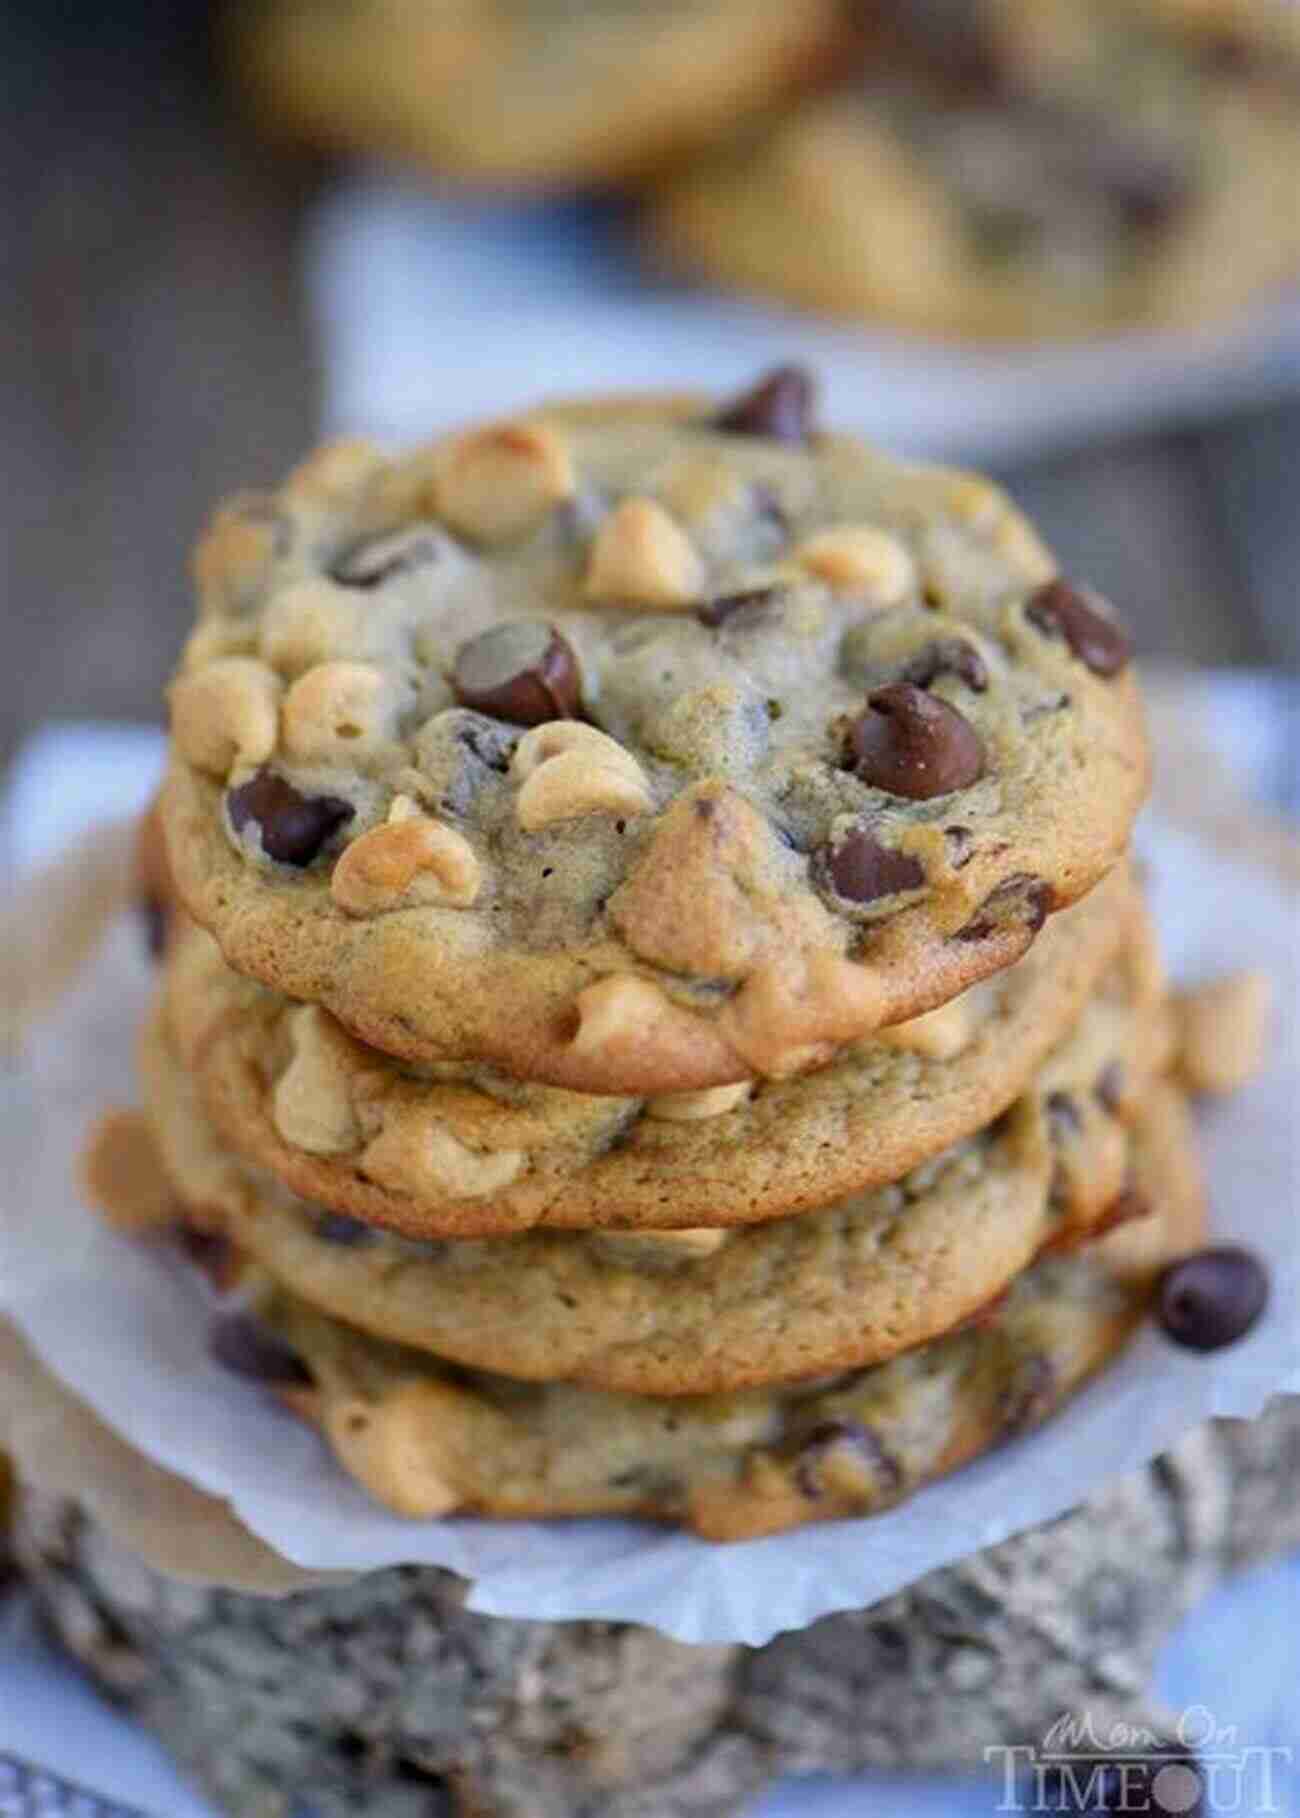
<point>411,859</point>
<point>641,558</point>
<point>860,559</point>
<point>497,484</point>
<point>226,716</point>
<point>311,1105</point>
<point>414,1154</point>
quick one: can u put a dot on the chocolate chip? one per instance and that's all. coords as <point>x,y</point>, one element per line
<point>1110,1087</point>
<point>1212,1299</point>
<point>339,1228</point>
<point>910,744</point>
<point>860,869</point>
<point>780,407</point>
<point>961,846</point>
<point>242,1345</point>
<point>947,656</point>
<point>152,912</point>
<point>523,671</point>
<point>840,1455</point>
<point>1022,898</point>
<point>294,827</point>
<point>210,1253</point>
<point>1063,1114</point>
<point>1079,615</point>
<point>1029,1396</point>
<point>716,612</point>
<point>378,559</point>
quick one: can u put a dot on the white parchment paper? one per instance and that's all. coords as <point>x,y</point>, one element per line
<point>125,1330</point>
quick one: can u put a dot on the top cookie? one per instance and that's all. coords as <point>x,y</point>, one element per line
<point>537,92</point>
<point>640,745</point>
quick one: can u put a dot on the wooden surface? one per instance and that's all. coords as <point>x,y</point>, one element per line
<point>155,355</point>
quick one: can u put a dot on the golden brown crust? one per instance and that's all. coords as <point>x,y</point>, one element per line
<point>783,1147</point>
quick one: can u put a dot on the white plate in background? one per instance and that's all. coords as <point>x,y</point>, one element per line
<point>431,310</point>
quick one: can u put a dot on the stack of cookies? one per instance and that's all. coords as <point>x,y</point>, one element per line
<point>657,1016</point>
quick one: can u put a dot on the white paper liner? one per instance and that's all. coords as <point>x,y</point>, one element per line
<point>124,1328</point>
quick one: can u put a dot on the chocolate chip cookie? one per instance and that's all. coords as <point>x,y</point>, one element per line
<point>427,1441</point>
<point>643,745</point>
<point>531,92</point>
<point>1009,170</point>
<point>689,1311</point>
<point>467,1151</point>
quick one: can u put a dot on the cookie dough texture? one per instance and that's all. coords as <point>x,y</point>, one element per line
<point>467,1151</point>
<point>531,92</point>
<point>705,1309</point>
<point>847,741</point>
<point>1020,171</point>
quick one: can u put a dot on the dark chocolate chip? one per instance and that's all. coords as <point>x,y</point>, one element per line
<point>523,671</point>
<point>294,827</point>
<point>717,612</point>
<point>961,846</point>
<point>1077,614</point>
<point>153,921</point>
<point>947,656</point>
<point>910,744</point>
<point>860,869</point>
<point>210,1253</point>
<point>378,559</point>
<point>1213,1298</point>
<point>1029,1396</point>
<point>779,407</point>
<point>339,1228</point>
<point>847,1450</point>
<point>242,1345</point>
<point>1063,1114</point>
<point>1110,1087</point>
<point>1023,898</point>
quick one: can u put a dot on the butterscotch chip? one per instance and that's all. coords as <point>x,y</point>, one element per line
<point>1222,1031</point>
<point>123,1176</point>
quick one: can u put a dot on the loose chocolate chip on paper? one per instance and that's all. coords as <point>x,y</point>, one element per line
<point>1077,614</point>
<point>246,1348</point>
<point>369,564</point>
<point>947,656</point>
<point>523,671</point>
<point>910,744</point>
<point>294,827</point>
<point>1213,1298</point>
<point>779,408</point>
<point>861,870</point>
